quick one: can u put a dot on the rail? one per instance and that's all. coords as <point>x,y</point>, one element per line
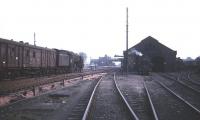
<point>90,101</point>
<point>151,103</point>
<point>182,83</point>
<point>191,80</point>
<point>127,104</point>
<point>173,93</point>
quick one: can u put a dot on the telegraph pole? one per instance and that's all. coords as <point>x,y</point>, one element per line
<point>127,40</point>
<point>34,40</point>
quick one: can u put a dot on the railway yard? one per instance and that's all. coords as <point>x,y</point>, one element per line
<point>103,95</point>
<point>78,69</point>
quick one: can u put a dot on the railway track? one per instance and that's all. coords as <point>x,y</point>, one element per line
<point>15,97</point>
<point>194,77</point>
<point>180,79</point>
<point>140,102</point>
<point>170,105</point>
<point>55,105</point>
<point>185,77</point>
<point>79,110</point>
<point>105,102</point>
<point>188,93</point>
<point>188,81</point>
<point>189,78</point>
<point>112,98</point>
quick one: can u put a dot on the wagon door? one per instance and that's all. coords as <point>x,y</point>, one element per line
<point>26,56</point>
<point>12,56</point>
<point>52,58</point>
<point>20,58</point>
<point>35,58</point>
<point>3,57</point>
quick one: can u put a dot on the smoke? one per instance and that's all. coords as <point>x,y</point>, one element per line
<point>136,52</point>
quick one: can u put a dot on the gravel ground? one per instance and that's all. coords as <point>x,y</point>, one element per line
<point>133,89</point>
<point>167,106</point>
<point>107,103</point>
<point>53,106</point>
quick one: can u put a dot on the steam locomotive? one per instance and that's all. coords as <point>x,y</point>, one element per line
<point>19,59</point>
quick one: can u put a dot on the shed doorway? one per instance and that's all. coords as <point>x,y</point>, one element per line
<point>158,64</point>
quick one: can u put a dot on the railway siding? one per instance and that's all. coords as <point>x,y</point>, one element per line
<point>185,78</point>
<point>134,91</point>
<point>169,106</point>
<point>116,97</point>
<point>58,104</point>
<point>185,92</point>
<point>107,103</point>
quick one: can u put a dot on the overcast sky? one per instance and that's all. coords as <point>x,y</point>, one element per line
<point>97,27</point>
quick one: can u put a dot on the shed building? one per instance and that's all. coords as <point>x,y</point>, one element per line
<point>160,58</point>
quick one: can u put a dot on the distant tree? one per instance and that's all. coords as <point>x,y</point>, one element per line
<point>197,60</point>
<point>83,55</point>
<point>188,59</point>
<point>179,64</point>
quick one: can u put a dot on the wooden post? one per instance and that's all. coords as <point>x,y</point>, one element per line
<point>63,82</point>
<point>34,91</point>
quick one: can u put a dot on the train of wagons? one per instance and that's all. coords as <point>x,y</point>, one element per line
<point>19,59</point>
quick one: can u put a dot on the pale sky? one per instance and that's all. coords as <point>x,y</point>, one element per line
<point>97,27</point>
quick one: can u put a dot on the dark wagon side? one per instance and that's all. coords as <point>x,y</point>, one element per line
<point>63,61</point>
<point>68,61</point>
<point>21,59</point>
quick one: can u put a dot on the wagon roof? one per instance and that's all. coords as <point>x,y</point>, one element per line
<point>67,51</point>
<point>23,44</point>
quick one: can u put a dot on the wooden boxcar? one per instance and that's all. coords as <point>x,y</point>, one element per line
<point>19,59</point>
<point>68,61</point>
<point>63,61</point>
<point>22,59</point>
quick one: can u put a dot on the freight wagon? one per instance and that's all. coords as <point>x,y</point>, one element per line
<point>19,59</point>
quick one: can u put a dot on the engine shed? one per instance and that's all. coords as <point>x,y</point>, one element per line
<point>150,55</point>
